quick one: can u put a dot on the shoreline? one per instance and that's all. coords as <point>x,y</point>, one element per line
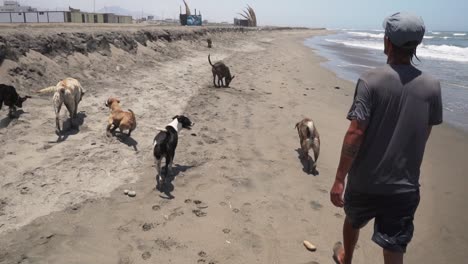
<point>349,62</point>
<point>243,166</point>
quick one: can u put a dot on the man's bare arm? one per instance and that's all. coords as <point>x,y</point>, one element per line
<point>351,145</point>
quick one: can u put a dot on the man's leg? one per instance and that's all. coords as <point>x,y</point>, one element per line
<point>350,238</point>
<point>393,257</point>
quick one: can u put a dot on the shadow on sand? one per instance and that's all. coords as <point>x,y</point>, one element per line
<point>169,187</point>
<point>129,141</point>
<point>71,127</point>
<point>5,122</point>
<point>307,165</point>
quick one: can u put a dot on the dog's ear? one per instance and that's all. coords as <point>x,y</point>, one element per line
<point>175,117</point>
<point>107,103</point>
<point>118,101</point>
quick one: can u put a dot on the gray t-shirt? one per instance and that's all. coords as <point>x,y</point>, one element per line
<point>400,104</point>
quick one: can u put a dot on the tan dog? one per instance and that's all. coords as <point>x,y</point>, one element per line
<point>68,92</point>
<point>309,139</point>
<point>119,118</point>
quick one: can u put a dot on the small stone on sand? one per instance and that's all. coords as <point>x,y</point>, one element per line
<point>132,193</point>
<point>126,192</point>
<point>309,246</point>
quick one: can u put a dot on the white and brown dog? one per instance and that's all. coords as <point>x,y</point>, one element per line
<point>68,92</point>
<point>119,119</point>
<point>309,139</point>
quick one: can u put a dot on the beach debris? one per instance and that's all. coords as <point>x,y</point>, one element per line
<point>202,254</point>
<point>147,226</point>
<point>156,207</point>
<point>126,192</point>
<point>309,246</point>
<point>131,193</point>
<point>210,43</point>
<point>337,87</point>
<point>226,231</point>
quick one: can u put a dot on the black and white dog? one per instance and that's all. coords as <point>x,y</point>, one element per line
<point>165,144</point>
<point>11,98</point>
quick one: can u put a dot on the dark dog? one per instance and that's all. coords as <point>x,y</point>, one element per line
<point>221,71</point>
<point>165,144</point>
<point>10,97</point>
<point>209,43</point>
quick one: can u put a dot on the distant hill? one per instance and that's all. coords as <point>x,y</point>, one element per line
<point>122,11</point>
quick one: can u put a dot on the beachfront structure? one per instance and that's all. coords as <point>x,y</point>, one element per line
<point>249,18</point>
<point>12,12</point>
<point>62,17</point>
<point>188,19</point>
<point>14,6</point>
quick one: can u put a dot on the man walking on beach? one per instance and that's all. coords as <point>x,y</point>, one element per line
<point>394,109</point>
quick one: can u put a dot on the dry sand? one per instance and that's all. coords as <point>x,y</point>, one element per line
<point>240,194</point>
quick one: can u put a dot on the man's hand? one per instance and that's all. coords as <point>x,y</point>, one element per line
<point>336,193</point>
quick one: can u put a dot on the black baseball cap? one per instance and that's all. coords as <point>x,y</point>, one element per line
<point>404,30</point>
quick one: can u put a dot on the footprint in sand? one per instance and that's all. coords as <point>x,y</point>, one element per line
<point>146,255</point>
<point>199,213</point>
<point>339,216</point>
<point>316,205</point>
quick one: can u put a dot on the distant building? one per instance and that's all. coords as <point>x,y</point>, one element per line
<point>71,16</point>
<point>241,22</point>
<point>14,6</point>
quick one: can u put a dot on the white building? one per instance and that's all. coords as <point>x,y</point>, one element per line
<point>14,6</point>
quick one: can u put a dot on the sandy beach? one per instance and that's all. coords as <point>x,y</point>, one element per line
<point>240,193</point>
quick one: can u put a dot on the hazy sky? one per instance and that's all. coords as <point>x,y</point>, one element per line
<point>358,14</point>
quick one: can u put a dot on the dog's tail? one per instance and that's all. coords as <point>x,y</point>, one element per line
<point>134,118</point>
<point>133,114</point>
<point>209,60</point>
<point>297,125</point>
<point>50,89</point>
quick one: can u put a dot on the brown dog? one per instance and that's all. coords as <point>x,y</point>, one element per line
<point>309,139</point>
<point>119,118</point>
<point>221,71</point>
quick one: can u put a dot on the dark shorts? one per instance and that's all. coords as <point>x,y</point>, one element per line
<point>394,214</point>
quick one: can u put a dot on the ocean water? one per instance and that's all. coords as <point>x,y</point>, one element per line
<point>443,54</point>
